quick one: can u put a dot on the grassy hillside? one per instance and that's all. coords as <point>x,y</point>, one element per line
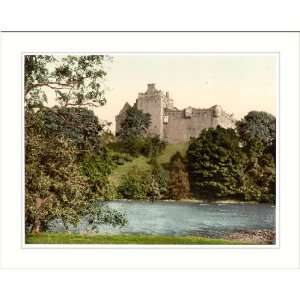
<point>170,150</point>
<point>141,162</point>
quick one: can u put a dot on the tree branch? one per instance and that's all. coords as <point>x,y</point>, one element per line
<point>49,84</point>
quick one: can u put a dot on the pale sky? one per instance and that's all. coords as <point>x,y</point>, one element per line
<point>239,83</point>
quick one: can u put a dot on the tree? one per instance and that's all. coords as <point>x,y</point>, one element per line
<point>220,167</point>
<point>135,123</point>
<point>257,124</point>
<point>56,140</point>
<point>153,146</point>
<point>133,186</point>
<point>257,132</point>
<point>179,187</point>
<point>260,172</point>
<point>97,168</point>
<point>78,124</point>
<point>75,80</point>
<point>161,176</point>
<point>152,188</point>
<point>55,186</point>
<point>216,164</point>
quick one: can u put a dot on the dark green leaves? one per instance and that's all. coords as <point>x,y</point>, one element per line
<point>219,166</point>
<point>257,124</point>
<point>135,123</point>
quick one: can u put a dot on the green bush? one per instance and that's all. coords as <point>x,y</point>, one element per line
<point>179,186</point>
<point>133,186</point>
<point>150,185</point>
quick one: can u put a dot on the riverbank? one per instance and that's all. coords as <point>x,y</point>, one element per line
<point>128,239</point>
<point>226,201</point>
<point>260,236</point>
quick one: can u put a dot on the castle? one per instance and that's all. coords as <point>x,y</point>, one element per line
<point>175,125</point>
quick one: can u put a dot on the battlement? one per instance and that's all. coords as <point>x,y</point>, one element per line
<point>151,88</point>
<point>174,125</point>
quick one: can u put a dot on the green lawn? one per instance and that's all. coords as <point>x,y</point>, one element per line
<point>68,238</point>
<point>141,162</point>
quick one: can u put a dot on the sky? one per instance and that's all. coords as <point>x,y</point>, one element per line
<point>239,83</point>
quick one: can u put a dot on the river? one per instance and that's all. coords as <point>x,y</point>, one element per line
<point>184,218</point>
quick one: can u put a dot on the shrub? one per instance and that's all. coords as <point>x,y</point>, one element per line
<point>179,186</point>
<point>133,186</point>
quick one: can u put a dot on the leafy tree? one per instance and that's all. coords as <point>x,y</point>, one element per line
<point>78,124</point>
<point>152,147</point>
<point>152,188</point>
<point>97,168</point>
<point>109,192</point>
<point>161,176</point>
<point>257,124</point>
<point>75,80</point>
<point>220,167</point>
<point>133,145</point>
<point>216,164</point>
<point>55,185</point>
<point>260,172</point>
<point>135,123</point>
<point>179,186</point>
<point>132,186</point>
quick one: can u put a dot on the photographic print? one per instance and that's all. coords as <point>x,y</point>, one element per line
<point>150,148</point>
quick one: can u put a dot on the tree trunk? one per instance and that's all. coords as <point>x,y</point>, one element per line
<point>37,226</point>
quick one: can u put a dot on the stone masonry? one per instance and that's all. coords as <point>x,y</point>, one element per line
<point>174,125</point>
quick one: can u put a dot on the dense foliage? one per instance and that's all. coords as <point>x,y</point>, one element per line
<point>145,185</point>
<point>221,166</point>
<point>66,161</point>
<point>135,123</point>
<point>78,124</point>
<point>257,124</point>
<point>133,186</point>
<point>179,186</point>
<point>216,164</point>
<point>55,186</point>
<point>132,137</point>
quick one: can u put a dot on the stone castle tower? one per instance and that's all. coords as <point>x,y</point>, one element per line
<point>174,125</point>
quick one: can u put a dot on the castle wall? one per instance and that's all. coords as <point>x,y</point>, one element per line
<point>180,129</point>
<point>151,102</point>
<point>226,121</point>
<point>155,109</point>
<point>119,119</point>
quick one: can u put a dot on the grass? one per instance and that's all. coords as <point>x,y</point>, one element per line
<point>170,150</point>
<point>70,238</point>
<point>141,163</point>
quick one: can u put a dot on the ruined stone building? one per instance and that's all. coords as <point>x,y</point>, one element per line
<point>175,125</point>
